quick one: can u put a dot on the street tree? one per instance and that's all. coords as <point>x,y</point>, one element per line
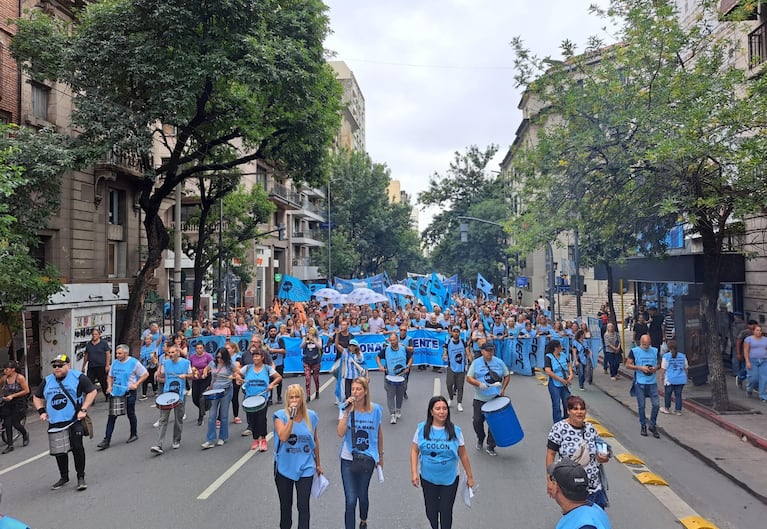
<point>691,134</point>
<point>215,85</point>
<point>468,188</point>
<point>228,209</point>
<point>29,194</point>
<point>377,231</point>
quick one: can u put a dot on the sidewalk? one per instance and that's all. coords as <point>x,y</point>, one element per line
<point>735,444</point>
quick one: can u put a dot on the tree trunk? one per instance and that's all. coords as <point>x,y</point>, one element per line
<point>709,325</point>
<point>157,242</point>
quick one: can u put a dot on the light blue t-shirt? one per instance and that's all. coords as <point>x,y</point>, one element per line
<point>173,383</point>
<point>438,455</point>
<point>295,457</point>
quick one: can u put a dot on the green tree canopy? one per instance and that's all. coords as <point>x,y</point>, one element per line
<point>215,84</point>
<point>370,234</point>
<point>664,123</point>
<point>468,188</point>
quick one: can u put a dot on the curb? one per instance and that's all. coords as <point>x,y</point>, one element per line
<point>746,435</point>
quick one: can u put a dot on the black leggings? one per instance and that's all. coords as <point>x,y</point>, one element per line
<point>149,380</point>
<point>257,423</point>
<point>439,500</point>
<point>99,374</point>
<point>236,400</point>
<point>285,493</point>
<point>198,386</point>
<point>13,420</point>
<point>78,453</point>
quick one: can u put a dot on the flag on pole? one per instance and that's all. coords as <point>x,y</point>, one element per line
<point>483,284</point>
<point>293,289</point>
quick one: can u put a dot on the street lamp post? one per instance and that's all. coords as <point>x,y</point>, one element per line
<point>330,262</point>
<point>465,238</point>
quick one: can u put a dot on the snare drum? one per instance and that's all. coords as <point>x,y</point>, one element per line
<point>118,405</point>
<point>167,401</point>
<point>58,440</point>
<point>502,421</point>
<point>254,403</point>
<point>213,394</point>
<point>395,380</point>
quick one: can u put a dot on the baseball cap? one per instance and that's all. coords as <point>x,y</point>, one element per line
<point>488,346</point>
<point>571,478</point>
<point>455,328</point>
<point>60,358</point>
<point>354,342</point>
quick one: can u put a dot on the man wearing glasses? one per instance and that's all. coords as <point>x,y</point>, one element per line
<point>63,400</point>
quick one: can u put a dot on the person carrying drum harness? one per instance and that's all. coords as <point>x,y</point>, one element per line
<point>125,376</point>
<point>63,400</point>
<point>175,371</point>
<point>398,362</point>
<point>489,376</point>
<point>456,354</point>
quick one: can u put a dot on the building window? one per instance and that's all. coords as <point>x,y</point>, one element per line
<point>40,95</point>
<point>116,259</point>
<point>116,203</point>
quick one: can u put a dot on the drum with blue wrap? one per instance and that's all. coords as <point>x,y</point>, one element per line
<point>502,421</point>
<point>213,394</point>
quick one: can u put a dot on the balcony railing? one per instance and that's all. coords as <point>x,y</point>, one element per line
<point>757,46</point>
<point>126,160</point>
<point>284,192</point>
<point>308,234</point>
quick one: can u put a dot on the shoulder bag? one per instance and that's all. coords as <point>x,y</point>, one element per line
<point>86,422</point>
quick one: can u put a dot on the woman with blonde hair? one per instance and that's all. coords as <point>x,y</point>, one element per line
<point>296,456</point>
<point>362,449</point>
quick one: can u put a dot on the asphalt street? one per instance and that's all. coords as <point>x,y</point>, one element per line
<point>130,488</point>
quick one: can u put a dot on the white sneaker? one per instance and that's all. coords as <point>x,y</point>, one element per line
<point>460,407</point>
<point>156,424</point>
<point>246,433</point>
<point>220,442</point>
<point>393,419</point>
<point>176,446</point>
<point>184,417</point>
<point>398,413</point>
<point>664,410</point>
<point>207,444</point>
<point>451,403</point>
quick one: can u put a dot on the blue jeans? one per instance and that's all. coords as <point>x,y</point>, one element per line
<point>757,376</point>
<point>219,409</point>
<point>131,409</point>
<point>648,391</point>
<point>356,487</point>
<point>558,396</point>
<point>676,389</point>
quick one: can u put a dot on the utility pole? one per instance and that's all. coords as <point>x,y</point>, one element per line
<point>177,262</point>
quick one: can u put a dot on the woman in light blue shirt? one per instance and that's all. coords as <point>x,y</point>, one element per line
<point>438,446</point>
<point>296,456</point>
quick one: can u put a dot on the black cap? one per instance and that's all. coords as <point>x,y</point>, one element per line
<point>571,478</point>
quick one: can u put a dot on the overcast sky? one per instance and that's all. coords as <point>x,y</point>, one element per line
<point>437,75</point>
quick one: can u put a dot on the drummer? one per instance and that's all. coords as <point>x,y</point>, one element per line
<point>489,376</point>
<point>126,374</point>
<point>174,371</point>
<point>222,373</point>
<point>55,388</point>
<point>398,362</point>
<point>257,379</point>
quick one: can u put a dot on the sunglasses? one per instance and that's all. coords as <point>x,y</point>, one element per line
<point>57,366</point>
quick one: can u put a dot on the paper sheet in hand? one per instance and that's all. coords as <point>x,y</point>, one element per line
<point>319,484</point>
<point>379,468</point>
<point>467,493</point>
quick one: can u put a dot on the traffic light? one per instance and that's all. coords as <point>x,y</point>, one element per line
<point>281,232</point>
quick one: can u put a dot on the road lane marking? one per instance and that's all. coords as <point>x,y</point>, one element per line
<point>437,385</point>
<point>22,463</point>
<point>229,472</point>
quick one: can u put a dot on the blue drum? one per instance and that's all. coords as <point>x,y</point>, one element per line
<point>502,421</point>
